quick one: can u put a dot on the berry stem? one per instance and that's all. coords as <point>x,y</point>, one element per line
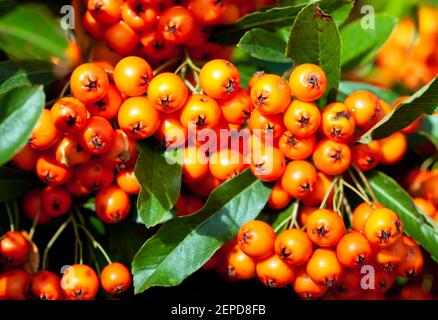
<point>16,213</point>
<point>78,242</point>
<point>349,186</point>
<point>357,184</point>
<point>95,243</point>
<point>64,89</point>
<point>10,217</point>
<point>166,64</point>
<point>293,217</point>
<point>52,241</point>
<point>427,163</point>
<point>34,224</point>
<point>190,62</point>
<point>347,208</point>
<point>329,191</point>
<point>89,244</point>
<point>366,182</point>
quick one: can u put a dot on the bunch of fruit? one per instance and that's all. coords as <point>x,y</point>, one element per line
<point>159,29</point>
<point>410,57</point>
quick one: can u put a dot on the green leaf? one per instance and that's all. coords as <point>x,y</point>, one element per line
<point>424,100</point>
<point>426,134</point>
<point>314,38</point>
<point>264,45</point>
<point>20,109</point>
<point>184,244</point>
<point>14,182</point>
<point>348,87</point>
<point>283,216</point>
<point>160,182</point>
<point>360,45</point>
<point>16,73</point>
<point>30,31</point>
<point>417,225</point>
<point>278,17</point>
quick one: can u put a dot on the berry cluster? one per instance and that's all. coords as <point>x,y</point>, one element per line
<point>422,185</point>
<point>325,258</point>
<point>410,54</point>
<point>158,29</point>
<point>78,282</point>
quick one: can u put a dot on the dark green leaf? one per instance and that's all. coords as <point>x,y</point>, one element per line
<point>314,38</point>
<point>264,45</point>
<point>20,109</point>
<point>90,204</point>
<point>160,182</point>
<point>424,100</point>
<point>13,183</point>
<point>427,133</point>
<point>348,87</point>
<point>15,73</point>
<point>417,225</point>
<point>360,45</point>
<point>184,244</point>
<point>30,31</point>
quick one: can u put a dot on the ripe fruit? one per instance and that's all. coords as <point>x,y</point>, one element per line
<point>263,126</point>
<point>353,250</point>
<point>337,123</point>
<point>94,175</point>
<point>14,285</point>
<point>299,178</point>
<point>132,76</point>
<point>332,158</point>
<point>171,132</point>
<point>317,195</point>
<point>207,12</point>
<point>109,106</point>
<point>154,46</point>
<point>293,246</point>
<point>412,263</point>
<point>141,16</point>
<point>256,239</point>
<point>176,25</point>
<point>296,148</point>
<point>105,11</point>
<point>89,83</point>
<point>195,165</point>
<point>308,82</point>
<point>274,273</point>
<point>14,248</point>
<point>324,268</point>
<point>365,108</point>
<point>115,278</point>
<point>80,282</point>
<point>97,136</point>
<point>127,181</point>
<point>425,206</point>
<point>137,118</point>
<point>225,164</point>
<point>389,257</point>
<point>306,288</point>
<point>302,118</point>
<point>200,110</point>
<point>366,156</point>
<point>69,152</point>
<point>270,94</point>
<point>31,204</point>
<point>279,198</point>
<point>69,115</point>
<point>46,285</point>
<point>56,201</point>
<point>393,148</point>
<point>219,79</point>
<point>237,108</point>
<point>268,165</point>
<point>121,38</point>
<point>51,172</point>
<point>361,214</point>
<point>26,158</point>
<point>112,204</point>
<point>240,266</point>
<point>167,92</point>
<point>123,153</point>
<point>325,227</point>
<point>383,227</point>
<point>44,134</point>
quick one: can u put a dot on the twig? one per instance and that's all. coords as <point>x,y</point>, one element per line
<point>357,192</point>
<point>328,193</point>
<point>34,224</point>
<point>52,241</point>
<point>10,217</point>
<point>95,243</point>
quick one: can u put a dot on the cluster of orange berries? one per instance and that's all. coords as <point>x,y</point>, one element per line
<point>158,29</point>
<point>422,185</point>
<point>410,56</point>
<point>325,260</point>
<point>78,282</point>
